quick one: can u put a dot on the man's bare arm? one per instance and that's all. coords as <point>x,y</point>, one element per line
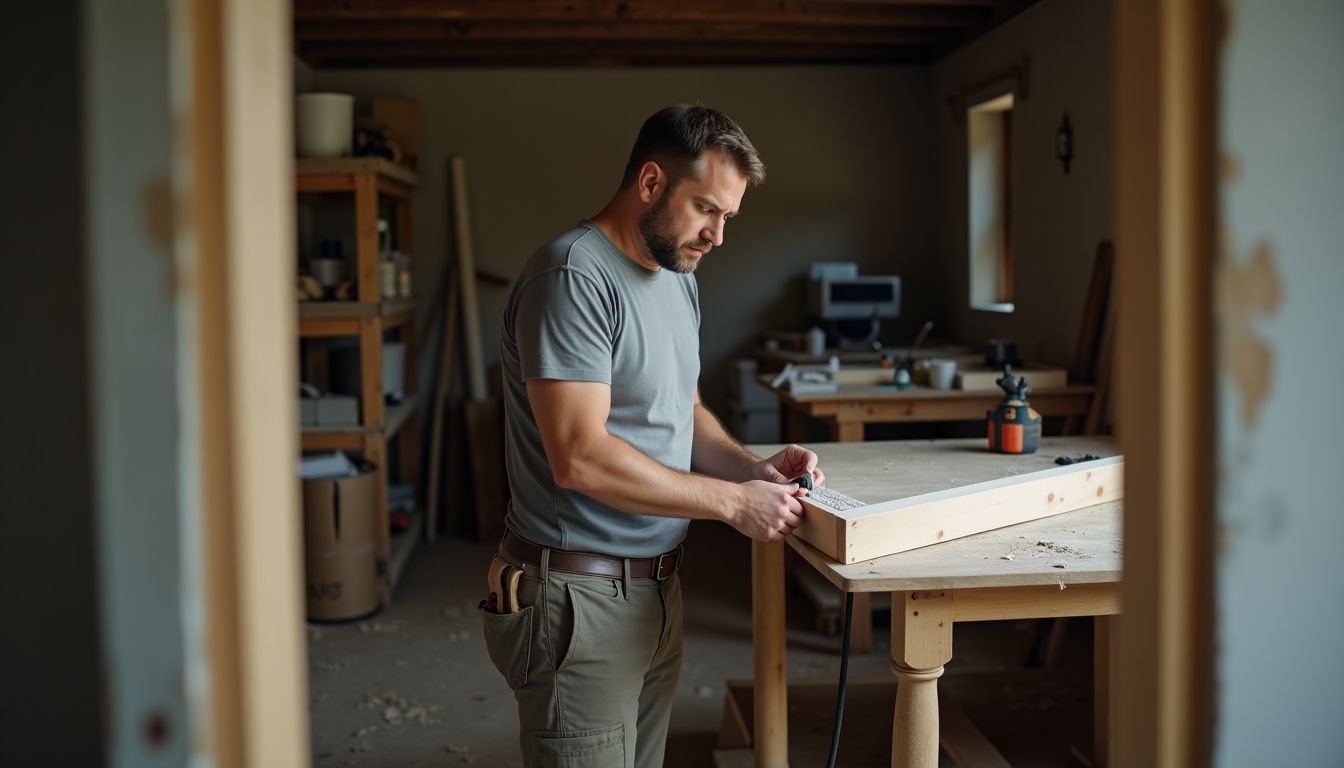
<point>717,453</point>
<point>584,457</point>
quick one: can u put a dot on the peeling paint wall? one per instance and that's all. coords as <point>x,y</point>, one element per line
<point>1279,288</point>
<point>134,383</point>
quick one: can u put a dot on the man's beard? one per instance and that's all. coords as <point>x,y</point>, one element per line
<point>660,237</point>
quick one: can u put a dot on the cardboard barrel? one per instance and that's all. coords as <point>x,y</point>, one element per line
<point>340,546</point>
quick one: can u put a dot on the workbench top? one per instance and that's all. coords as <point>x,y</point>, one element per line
<point>1087,542</point>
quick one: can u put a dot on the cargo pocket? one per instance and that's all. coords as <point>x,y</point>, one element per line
<point>508,639</point>
<point>594,748</point>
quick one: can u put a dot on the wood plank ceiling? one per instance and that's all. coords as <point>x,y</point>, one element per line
<point>612,33</point>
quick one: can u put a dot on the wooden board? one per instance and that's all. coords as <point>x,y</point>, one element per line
<point>868,376</point>
<point>485,439</point>
<point>1080,547</point>
<point>903,524</point>
<point>385,309</point>
<point>981,379</point>
<point>1085,354</point>
<point>466,264</point>
<point>878,471</point>
<point>338,166</point>
<point>446,344</point>
<point>402,118</point>
<point>964,742</point>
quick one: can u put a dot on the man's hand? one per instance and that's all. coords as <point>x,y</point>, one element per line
<point>789,463</point>
<point>768,511</point>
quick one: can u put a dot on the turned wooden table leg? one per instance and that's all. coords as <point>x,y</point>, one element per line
<point>921,643</point>
<point>847,431</point>
<point>914,738</point>
<point>771,690</point>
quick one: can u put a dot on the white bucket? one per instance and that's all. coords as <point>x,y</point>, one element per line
<point>324,124</point>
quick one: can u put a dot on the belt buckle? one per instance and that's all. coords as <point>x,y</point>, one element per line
<point>658,564</point>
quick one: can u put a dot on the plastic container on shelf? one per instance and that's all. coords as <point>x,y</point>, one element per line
<point>324,124</point>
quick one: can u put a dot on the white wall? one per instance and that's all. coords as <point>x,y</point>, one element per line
<point>1280,620</point>
<point>846,150</point>
<point>1058,219</point>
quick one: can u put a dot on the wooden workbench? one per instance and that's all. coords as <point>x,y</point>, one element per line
<point>1066,565</point>
<point>847,410</point>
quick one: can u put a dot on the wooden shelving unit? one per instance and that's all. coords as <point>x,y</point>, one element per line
<point>370,180</point>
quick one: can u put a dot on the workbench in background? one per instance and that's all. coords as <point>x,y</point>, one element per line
<point>850,408</point>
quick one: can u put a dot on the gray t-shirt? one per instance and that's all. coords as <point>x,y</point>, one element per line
<point>582,310</point>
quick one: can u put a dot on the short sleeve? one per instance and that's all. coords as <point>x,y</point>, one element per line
<point>565,326</point>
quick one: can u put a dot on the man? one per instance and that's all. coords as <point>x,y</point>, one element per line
<point>610,453</point>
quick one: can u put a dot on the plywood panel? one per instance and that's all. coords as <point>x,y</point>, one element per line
<point>1081,547</point>
<point>905,524</point>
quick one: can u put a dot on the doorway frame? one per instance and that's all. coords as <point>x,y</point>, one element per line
<point>235,137</point>
<point>241,207</point>
<point>1165,88</point>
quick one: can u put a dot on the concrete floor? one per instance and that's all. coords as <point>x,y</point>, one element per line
<point>412,686</point>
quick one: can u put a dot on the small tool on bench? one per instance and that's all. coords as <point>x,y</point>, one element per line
<point>1014,427</point>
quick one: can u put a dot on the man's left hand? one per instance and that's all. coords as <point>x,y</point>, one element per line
<point>789,463</point>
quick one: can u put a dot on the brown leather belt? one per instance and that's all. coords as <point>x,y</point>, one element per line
<point>659,567</point>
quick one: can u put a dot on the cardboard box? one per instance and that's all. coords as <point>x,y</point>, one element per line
<point>338,411</point>
<point>340,546</point>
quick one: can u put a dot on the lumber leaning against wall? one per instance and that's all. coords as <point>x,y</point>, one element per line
<point>918,521</point>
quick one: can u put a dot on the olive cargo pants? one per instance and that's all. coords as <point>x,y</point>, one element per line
<point>593,662</point>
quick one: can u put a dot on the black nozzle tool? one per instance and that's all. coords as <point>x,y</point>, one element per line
<point>804,480</point>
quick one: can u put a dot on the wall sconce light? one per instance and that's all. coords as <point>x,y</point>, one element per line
<point>1064,142</point>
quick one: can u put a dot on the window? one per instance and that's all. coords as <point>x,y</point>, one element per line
<point>989,130</point>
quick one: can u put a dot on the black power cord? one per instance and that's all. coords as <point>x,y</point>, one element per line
<point>844,674</point>
<point>805,481</point>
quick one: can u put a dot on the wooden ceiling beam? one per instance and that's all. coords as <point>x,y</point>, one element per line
<point>619,53</point>
<point>910,13</point>
<point>448,31</point>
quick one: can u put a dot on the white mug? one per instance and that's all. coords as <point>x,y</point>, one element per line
<point>942,373</point>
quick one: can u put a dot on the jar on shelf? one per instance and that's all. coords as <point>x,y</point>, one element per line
<point>387,279</point>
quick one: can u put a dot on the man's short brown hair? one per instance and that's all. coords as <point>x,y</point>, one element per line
<point>676,137</point>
